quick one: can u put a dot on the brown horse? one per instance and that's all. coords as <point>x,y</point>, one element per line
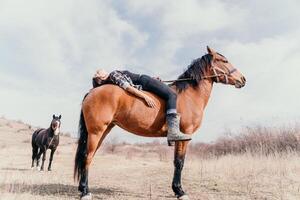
<point>109,105</point>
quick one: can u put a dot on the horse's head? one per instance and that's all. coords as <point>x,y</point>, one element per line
<point>222,70</point>
<point>55,124</point>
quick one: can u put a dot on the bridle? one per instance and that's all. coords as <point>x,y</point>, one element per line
<point>223,73</point>
<point>217,73</point>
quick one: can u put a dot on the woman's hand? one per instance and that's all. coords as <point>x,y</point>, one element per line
<point>149,101</point>
<point>157,78</point>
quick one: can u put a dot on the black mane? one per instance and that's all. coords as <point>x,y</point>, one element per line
<point>195,71</point>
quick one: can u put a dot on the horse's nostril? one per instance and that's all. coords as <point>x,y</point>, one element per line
<point>243,80</point>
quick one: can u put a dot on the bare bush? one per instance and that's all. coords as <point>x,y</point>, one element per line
<point>2,146</point>
<point>66,134</point>
<point>8,124</point>
<point>111,145</point>
<point>257,141</point>
<point>27,141</point>
<point>254,140</point>
<point>162,153</point>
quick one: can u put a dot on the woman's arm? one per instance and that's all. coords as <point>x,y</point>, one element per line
<point>150,102</point>
<point>118,78</point>
<point>96,82</point>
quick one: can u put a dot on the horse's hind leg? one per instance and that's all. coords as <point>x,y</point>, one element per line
<point>38,157</point>
<point>95,137</point>
<point>34,154</point>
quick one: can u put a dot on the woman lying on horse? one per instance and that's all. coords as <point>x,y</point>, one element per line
<point>134,83</point>
<point>108,106</point>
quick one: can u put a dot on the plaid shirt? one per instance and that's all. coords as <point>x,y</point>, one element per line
<point>121,79</point>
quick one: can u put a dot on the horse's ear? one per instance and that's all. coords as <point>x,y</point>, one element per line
<point>53,116</point>
<point>211,51</point>
<point>59,117</point>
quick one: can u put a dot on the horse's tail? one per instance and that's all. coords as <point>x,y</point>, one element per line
<point>80,158</point>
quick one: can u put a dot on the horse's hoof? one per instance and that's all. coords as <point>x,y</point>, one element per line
<point>88,196</point>
<point>184,197</point>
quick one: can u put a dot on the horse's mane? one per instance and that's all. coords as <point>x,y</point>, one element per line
<point>195,72</point>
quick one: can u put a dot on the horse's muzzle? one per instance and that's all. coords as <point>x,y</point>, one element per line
<point>240,83</point>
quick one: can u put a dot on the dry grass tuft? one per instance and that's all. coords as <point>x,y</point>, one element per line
<point>253,140</point>
<point>27,141</point>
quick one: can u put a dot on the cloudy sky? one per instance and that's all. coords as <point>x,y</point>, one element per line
<point>50,49</point>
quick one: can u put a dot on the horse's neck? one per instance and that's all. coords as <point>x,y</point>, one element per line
<point>203,92</point>
<point>50,132</point>
<point>192,104</point>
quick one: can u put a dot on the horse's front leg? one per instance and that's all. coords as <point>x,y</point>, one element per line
<point>179,156</point>
<point>43,159</point>
<point>51,158</point>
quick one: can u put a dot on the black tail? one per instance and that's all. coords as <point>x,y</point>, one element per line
<point>80,158</point>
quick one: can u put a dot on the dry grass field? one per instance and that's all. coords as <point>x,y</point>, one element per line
<point>137,172</point>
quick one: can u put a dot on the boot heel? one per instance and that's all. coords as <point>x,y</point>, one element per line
<point>171,143</point>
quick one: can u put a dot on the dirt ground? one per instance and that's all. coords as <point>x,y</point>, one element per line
<point>126,175</point>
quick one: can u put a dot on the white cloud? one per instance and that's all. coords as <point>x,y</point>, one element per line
<point>52,50</point>
<point>184,19</point>
<point>178,22</point>
<point>55,38</point>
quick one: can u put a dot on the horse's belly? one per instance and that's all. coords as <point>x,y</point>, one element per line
<point>142,120</point>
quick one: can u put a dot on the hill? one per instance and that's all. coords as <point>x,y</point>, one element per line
<point>143,171</point>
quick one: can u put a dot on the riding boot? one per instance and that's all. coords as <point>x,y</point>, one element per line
<point>174,133</point>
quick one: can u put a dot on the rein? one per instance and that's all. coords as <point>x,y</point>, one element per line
<point>215,75</point>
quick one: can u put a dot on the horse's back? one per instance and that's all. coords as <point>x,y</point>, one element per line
<point>36,137</point>
<point>35,133</point>
<point>117,96</point>
<point>131,113</point>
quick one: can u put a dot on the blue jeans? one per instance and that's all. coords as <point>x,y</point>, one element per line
<point>160,89</point>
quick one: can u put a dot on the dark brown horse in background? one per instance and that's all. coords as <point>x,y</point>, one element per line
<point>109,105</point>
<point>43,139</point>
